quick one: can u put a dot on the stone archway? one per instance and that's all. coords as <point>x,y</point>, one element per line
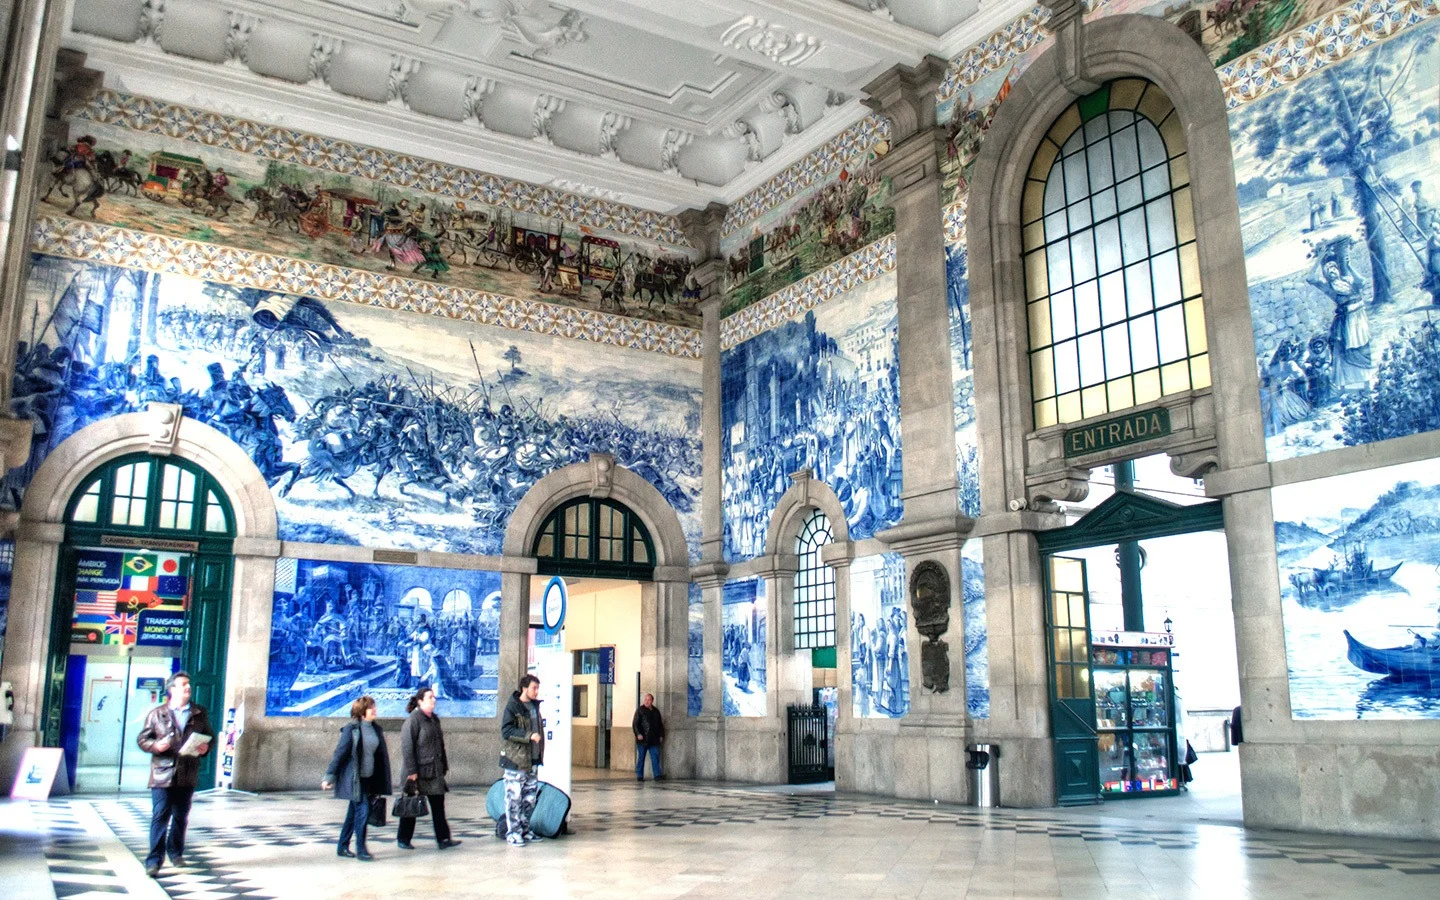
<point>161,430</point>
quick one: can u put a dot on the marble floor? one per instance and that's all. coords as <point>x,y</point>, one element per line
<point>697,839</point>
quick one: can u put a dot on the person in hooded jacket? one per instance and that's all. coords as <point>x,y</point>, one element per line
<point>522,748</point>
<point>359,771</point>
<point>423,761</point>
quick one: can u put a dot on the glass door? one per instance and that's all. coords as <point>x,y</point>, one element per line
<point>1072,701</point>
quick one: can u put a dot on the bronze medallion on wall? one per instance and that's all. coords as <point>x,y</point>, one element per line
<point>930,605</point>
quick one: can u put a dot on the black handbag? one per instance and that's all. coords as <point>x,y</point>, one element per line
<point>411,804</point>
<point>377,812</point>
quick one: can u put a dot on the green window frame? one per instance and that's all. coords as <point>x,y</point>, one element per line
<point>814,604</point>
<point>142,493</point>
<point>1112,273</point>
<point>596,538</point>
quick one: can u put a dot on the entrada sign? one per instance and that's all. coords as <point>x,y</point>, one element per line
<point>1130,429</point>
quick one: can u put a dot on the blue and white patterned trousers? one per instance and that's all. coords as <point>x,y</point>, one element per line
<point>521,790</point>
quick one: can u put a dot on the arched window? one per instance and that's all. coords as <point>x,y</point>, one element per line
<point>596,538</point>
<point>1112,274</point>
<point>814,586</point>
<point>140,492</point>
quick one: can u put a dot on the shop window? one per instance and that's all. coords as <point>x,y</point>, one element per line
<point>1112,274</point>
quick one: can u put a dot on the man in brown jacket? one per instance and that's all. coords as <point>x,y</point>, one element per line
<point>173,777</point>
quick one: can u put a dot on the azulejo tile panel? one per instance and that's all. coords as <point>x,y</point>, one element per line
<point>841,150</point>
<point>995,51</point>
<point>784,305</point>
<point>1323,42</point>
<point>287,145</point>
<point>247,268</point>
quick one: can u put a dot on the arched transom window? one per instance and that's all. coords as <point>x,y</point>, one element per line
<point>143,492</point>
<point>814,586</point>
<point>1112,275</point>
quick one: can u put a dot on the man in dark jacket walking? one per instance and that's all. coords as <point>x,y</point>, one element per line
<point>522,748</point>
<point>173,777</point>
<point>649,730</point>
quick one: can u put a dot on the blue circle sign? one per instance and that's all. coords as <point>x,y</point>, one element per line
<point>552,605</point>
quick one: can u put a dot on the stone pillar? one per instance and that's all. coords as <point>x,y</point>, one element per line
<point>514,625</point>
<point>930,745</point>
<point>838,557</point>
<point>702,229</point>
<point>710,724</point>
<point>27,639</point>
<point>247,662</point>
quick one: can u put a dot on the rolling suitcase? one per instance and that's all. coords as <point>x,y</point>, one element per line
<point>552,808</point>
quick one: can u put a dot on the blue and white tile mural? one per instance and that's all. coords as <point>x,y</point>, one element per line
<point>742,651</point>
<point>1359,559</point>
<point>962,363</point>
<point>7,569</point>
<point>1341,227</point>
<point>879,622</point>
<point>373,427</point>
<point>341,630</point>
<point>977,632</point>
<point>695,652</point>
<point>821,391</point>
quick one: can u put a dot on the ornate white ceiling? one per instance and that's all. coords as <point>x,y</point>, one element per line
<point>659,103</point>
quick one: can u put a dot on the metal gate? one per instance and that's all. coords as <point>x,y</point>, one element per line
<point>809,745</point>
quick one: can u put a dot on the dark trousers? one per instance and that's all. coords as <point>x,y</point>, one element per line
<point>406,830</point>
<point>169,814</point>
<point>357,820</point>
<point>643,750</point>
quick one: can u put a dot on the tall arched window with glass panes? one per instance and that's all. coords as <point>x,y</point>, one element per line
<point>1112,275</point>
<point>814,586</point>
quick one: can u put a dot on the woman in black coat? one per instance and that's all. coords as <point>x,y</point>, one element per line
<point>359,771</point>
<point>423,761</point>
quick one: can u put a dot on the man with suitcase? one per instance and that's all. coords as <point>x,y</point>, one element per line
<point>522,748</point>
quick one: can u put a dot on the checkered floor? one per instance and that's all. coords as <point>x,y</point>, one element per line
<point>237,845</point>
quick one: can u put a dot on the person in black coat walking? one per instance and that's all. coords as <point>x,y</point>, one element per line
<point>649,730</point>
<point>423,761</point>
<point>359,771</point>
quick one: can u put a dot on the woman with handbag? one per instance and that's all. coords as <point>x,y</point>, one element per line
<point>424,767</point>
<point>360,773</point>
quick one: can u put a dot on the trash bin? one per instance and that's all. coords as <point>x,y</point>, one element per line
<point>983,761</point>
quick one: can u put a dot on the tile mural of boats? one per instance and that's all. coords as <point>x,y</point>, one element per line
<point>1359,569</point>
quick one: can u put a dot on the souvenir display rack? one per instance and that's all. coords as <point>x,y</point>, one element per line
<point>1135,718</point>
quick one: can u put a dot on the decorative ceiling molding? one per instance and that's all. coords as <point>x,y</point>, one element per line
<point>343,158</point>
<point>774,42</point>
<point>860,267</point>
<point>98,243</point>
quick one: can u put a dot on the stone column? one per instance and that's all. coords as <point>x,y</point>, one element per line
<point>247,663</point>
<point>702,230</point>
<point>930,744</point>
<point>838,557</point>
<point>710,724</point>
<point>27,640</point>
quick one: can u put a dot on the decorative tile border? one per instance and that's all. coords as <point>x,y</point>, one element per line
<point>995,51</point>
<point>344,158</point>
<point>1312,47</point>
<point>840,150</point>
<point>94,242</point>
<point>955,220</point>
<point>785,304</point>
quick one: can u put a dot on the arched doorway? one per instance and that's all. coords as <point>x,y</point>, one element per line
<point>142,589</point>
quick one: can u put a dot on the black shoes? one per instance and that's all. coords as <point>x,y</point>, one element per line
<point>177,861</point>
<point>152,871</point>
<point>345,852</point>
<point>364,856</point>
<point>448,843</point>
<point>405,845</point>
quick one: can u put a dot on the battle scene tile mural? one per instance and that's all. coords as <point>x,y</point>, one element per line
<point>743,643</point>
<point>1342,243</point>
<point>501,237</point>
<point>1359,567</point>
<point>342,630</point>
<point>372,427</point>
<point>962,363</point>
<point>879,624</point>
<point>819,391</point>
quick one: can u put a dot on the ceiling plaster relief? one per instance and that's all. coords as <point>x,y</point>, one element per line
<point>515,47</point>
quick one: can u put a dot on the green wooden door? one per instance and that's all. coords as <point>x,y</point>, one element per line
<point>59,657</point>
<point>1072,699</point>
<point>207,636</point>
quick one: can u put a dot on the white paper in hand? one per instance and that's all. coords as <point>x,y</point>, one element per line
<point>194,744</point>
